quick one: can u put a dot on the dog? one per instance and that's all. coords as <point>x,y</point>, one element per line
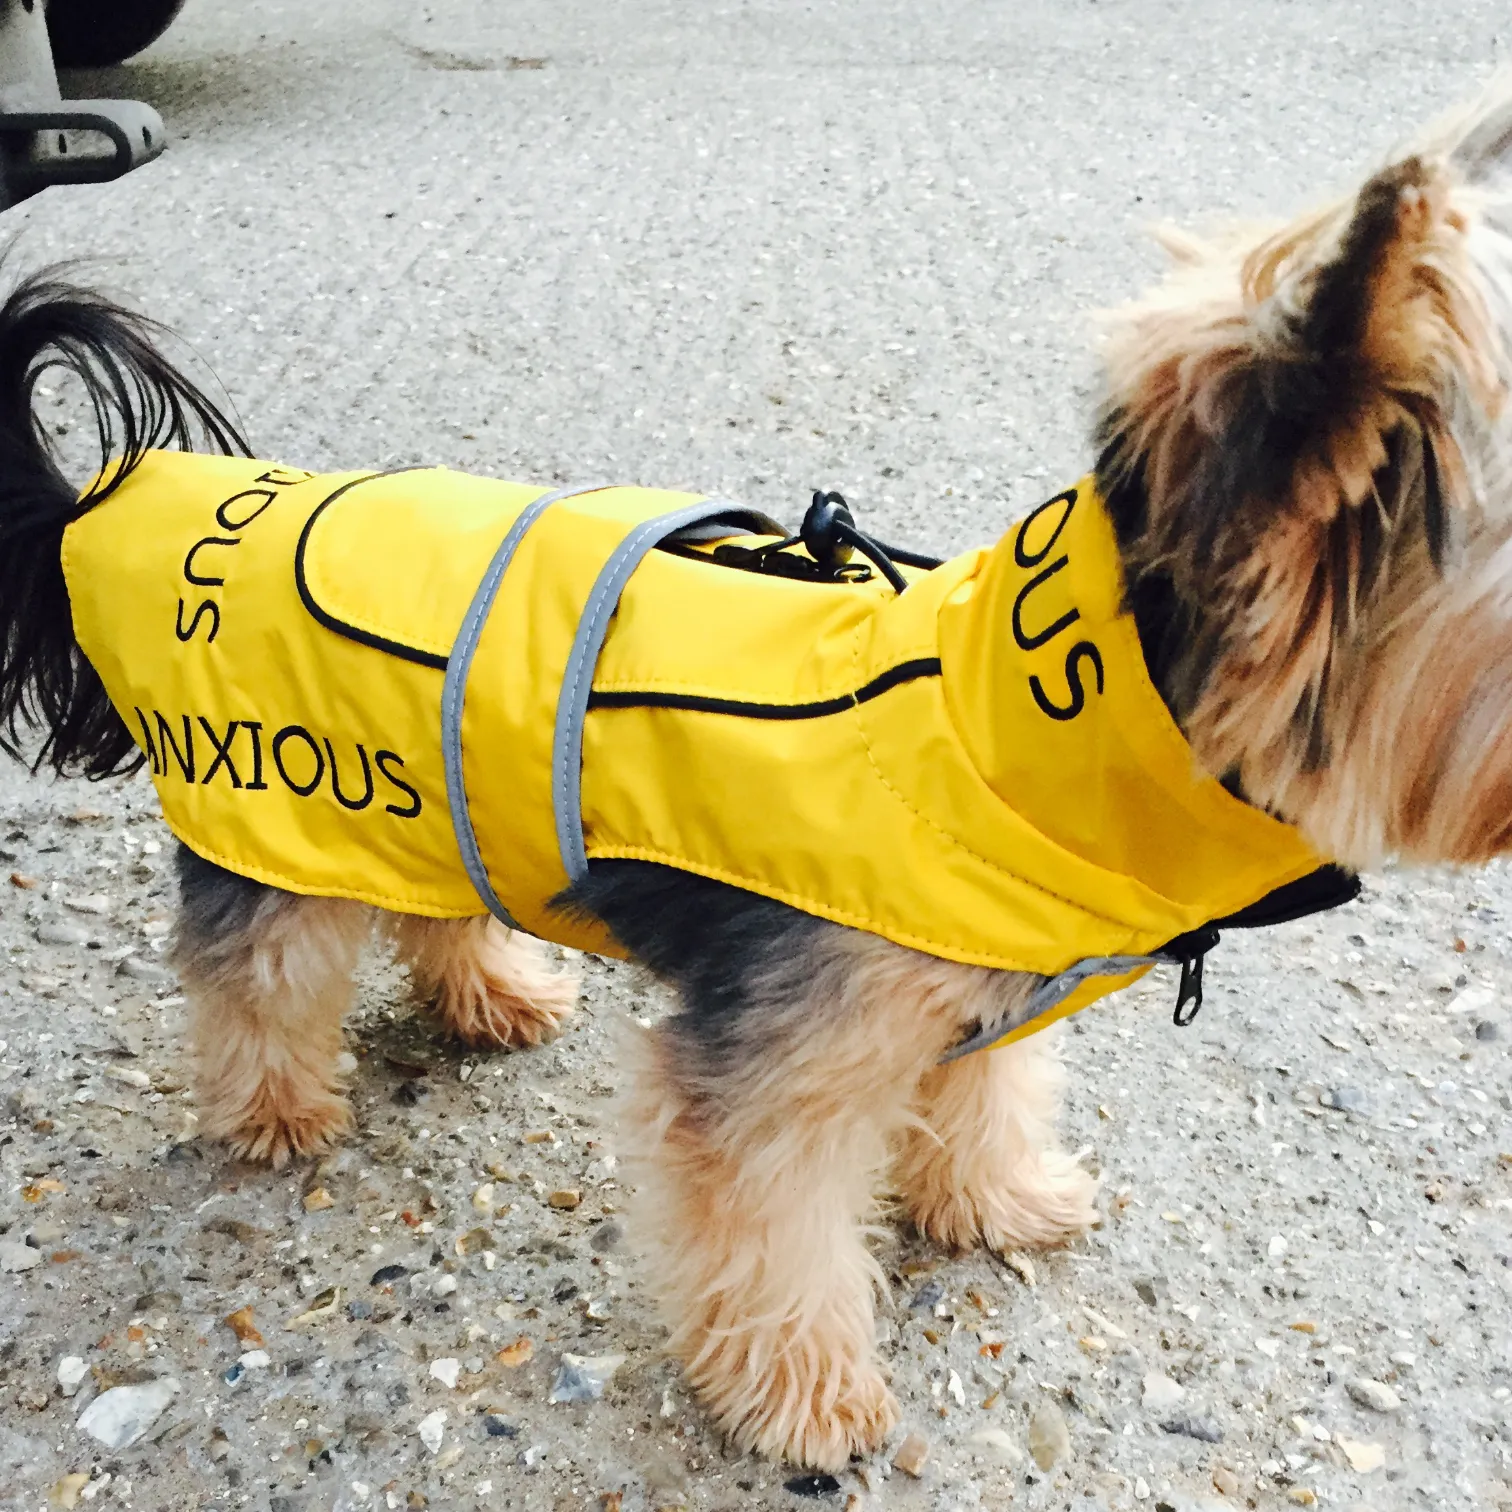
<point>1304,462</point>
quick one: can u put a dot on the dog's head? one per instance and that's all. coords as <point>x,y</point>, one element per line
<point>1306,442</point>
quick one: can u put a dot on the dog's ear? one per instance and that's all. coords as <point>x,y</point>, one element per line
<point>1292,414</point>
<point>1312,374</point>
<point>1346,380</point>
<point>1345,331</point>
<point>1338,454</point>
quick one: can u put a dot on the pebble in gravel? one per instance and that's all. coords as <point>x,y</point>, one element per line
<point>432,1429</point>
<point>927,1296</point>
<point>142,970</point>
<point>812,1486</point>
<point>520,1352</point>
<point>71,1373</point>
<point>1346,1100</point>
<point>912,1455</point>
<point>122,1415</point>
<point>1021,1266</point>
<point>1201,1428</point>
<point>15,1256</point>
<point>1375,1395</point>
<point>446,1371</point>
<point>1049,1438</point>
<point>1160,1392</point>
<point>606,1237</point>
<point>66,1492</point>
<point>582,1378</point>
<point>323,1307</point>
<point>1363,1458</point>
<point>96,904</point>
<point>998,1443</point>
<point>1471,1000</point>
<point>242,1325</point>
<point>62,934</point>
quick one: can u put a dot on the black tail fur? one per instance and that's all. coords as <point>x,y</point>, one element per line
<point>140,402</point>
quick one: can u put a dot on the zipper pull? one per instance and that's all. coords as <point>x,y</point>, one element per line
<point>1189,993</point>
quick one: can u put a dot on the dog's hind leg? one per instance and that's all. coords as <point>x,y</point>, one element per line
<point>489,985</point>
<point>982,1164</point>
<point>268,975</point>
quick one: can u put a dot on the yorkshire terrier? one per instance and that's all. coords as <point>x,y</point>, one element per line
<point>1303,452</point>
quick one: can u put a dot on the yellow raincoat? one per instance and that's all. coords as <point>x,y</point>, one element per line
<point>436,693</point>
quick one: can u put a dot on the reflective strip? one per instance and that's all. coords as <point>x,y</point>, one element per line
<point>577,679</point>
<point>454,691</point>
<point>1051,993</point>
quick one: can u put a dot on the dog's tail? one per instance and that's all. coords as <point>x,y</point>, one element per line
<point>140,401</point>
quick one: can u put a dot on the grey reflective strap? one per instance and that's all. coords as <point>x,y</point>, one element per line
<point>454,691</point>
<point>1051,993</point>
<point>577,680</point>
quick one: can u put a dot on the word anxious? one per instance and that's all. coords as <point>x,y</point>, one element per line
<point>244,755</point>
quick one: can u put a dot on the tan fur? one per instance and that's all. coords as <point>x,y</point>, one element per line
<point>1423,770</point>
<point>490,986</point>
<point>267,1005</point>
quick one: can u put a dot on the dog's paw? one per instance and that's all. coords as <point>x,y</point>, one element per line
<point>1048,1201</point>
<point>818,1426</point>
<point>825,1438</point>
<point>270,1133</point>
<point>488,1013</point>
<point>500,992</point>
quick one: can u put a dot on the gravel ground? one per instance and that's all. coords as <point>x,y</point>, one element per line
<point>755,248</point>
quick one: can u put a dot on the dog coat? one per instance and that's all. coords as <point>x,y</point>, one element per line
<point>439,693</point>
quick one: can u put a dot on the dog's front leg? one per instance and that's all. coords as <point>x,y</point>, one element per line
<point>758,1134</point>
